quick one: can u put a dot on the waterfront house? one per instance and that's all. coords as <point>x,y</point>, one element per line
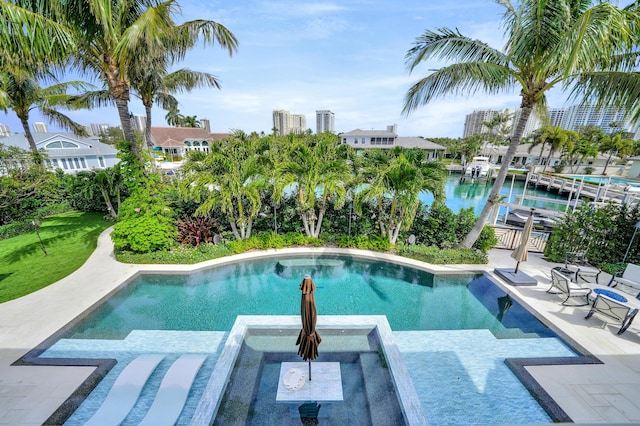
<point>385,139</point>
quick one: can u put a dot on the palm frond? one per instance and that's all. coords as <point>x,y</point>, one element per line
<point>450,45</point>
<point>459,79</point>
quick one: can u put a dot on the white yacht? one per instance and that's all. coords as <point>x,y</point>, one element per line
<point>479,167</point>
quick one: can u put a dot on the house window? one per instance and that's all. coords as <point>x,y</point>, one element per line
<point>77,163</point>
<point>84,165</point>
<point>362,141</point>
<point>344,140</point>
<point>101,162</point>
<point>64,163</point>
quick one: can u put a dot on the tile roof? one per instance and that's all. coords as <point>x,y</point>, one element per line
<point>174,136</point>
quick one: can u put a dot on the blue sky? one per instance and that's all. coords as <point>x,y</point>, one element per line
<point>303,56</point>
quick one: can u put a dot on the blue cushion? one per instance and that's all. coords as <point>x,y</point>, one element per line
<point>610,294</point>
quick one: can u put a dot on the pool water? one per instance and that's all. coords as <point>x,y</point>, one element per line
<point>454,332</point>
<point>603,179</point>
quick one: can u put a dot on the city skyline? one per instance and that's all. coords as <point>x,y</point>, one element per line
<point>304,57</point>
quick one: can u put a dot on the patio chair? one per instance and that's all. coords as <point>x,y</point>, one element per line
<point>617,310</point>
<point>578,263</point>
<point>567,288</point>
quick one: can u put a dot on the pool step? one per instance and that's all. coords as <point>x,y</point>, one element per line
<point>514,333</point>
<point>377,389</point>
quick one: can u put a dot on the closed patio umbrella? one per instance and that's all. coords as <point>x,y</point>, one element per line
<point>521,253</point>
<point>308,339</point>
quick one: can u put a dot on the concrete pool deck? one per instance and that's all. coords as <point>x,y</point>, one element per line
<point>593,393</point>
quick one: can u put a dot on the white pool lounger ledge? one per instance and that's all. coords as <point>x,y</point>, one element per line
<point>125,391</point>
<point>173,391</point>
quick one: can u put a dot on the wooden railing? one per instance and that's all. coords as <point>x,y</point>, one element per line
<point>509,238</point>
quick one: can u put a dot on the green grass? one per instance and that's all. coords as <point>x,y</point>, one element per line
<point>69,240</point>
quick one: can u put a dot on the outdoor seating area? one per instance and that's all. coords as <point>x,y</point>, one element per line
<point>613,306</point>
<point>606,303</point>
<point>579,264</point>
<point>629,278</point>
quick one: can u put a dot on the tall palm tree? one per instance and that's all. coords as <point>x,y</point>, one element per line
<point>549,43</point>
<point>174,118</point>
<point>230,177</point>
<point>393,182</point>
<point>111,34</point>
<point>615,145</point>
<point>150,77</point>
<point>21,93</point>
<point>316,165</point>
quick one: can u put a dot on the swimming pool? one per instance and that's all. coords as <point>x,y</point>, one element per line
<point>449,329</point>
<point>603,179</point>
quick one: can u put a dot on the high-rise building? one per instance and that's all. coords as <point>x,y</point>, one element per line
<point>578,116</point>
<point>325,121</point>
<point>5,131</point>
<point>284,122</point>
<point>473,123</point>
<point>556,115</point>
<point>205,124</point>
<point>139,122</point>
<point>40,127</point>
<point>99,128</point>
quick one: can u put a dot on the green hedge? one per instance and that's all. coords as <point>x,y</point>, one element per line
<point>435,255</point>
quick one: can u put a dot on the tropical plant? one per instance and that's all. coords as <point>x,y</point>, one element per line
<point>110,40</point>
<point>316,167</point>
<point>499,127</point>
<point>615,145</point>
<point>230,178</point>
<point>196,230</point>
<point>21,93</point>
<point>393,182</point>
<point>548,44</point>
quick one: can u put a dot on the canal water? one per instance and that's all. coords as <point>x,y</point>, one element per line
<point>468,194</point>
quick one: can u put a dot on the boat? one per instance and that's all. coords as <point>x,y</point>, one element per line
<point>479,167</point>
<point>541,221</point>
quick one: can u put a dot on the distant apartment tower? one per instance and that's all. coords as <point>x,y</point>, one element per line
<point>99,128</point>
<point>578,116</point>
<point>556,115</point>
<point>284,122</point>
<point>473,123</point>
<point>325,121</point>
<point>139,122</point>
<point>40,127</point>
<point>5,131</point>
<point>205,124</point>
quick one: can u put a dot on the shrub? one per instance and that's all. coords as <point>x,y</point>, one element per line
<point>267,240</point>
<point>182,254</point>
<point>197,230</point>
<point>436,255</point>
<point>377,243</point>
<point>486,240</point>
<point>145,222</point>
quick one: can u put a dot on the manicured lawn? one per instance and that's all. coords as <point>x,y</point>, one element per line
<point>69,240</point>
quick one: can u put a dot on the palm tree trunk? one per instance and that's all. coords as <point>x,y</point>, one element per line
<point>107,200</point>
<point>24,120</point>
<point>319,224</point>
<point>147,126</point>
<point>494,195</point>
<point>604,172</point>
<point>125,122</point>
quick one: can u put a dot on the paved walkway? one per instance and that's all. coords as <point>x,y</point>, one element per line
<point>598,393</point>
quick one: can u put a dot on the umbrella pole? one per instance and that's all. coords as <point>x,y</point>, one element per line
<point>309,370</point>
<point>516,271</point>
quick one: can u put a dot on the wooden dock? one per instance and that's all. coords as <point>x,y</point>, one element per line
<point>577,188</point>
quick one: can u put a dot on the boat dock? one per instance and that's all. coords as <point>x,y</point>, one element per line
<point>577,188</point>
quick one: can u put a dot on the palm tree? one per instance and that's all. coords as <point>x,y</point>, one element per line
<point>615,145</point>
<point>110,41</point>
<point>317,167</point>
<point>548,44</point>
<point>230,177</point>
<point>394,180</point>
<point>21,93</point>
<point>584,148</point>
<point>151,79</point>
<point>174,118</point>
<point>191,121</point>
